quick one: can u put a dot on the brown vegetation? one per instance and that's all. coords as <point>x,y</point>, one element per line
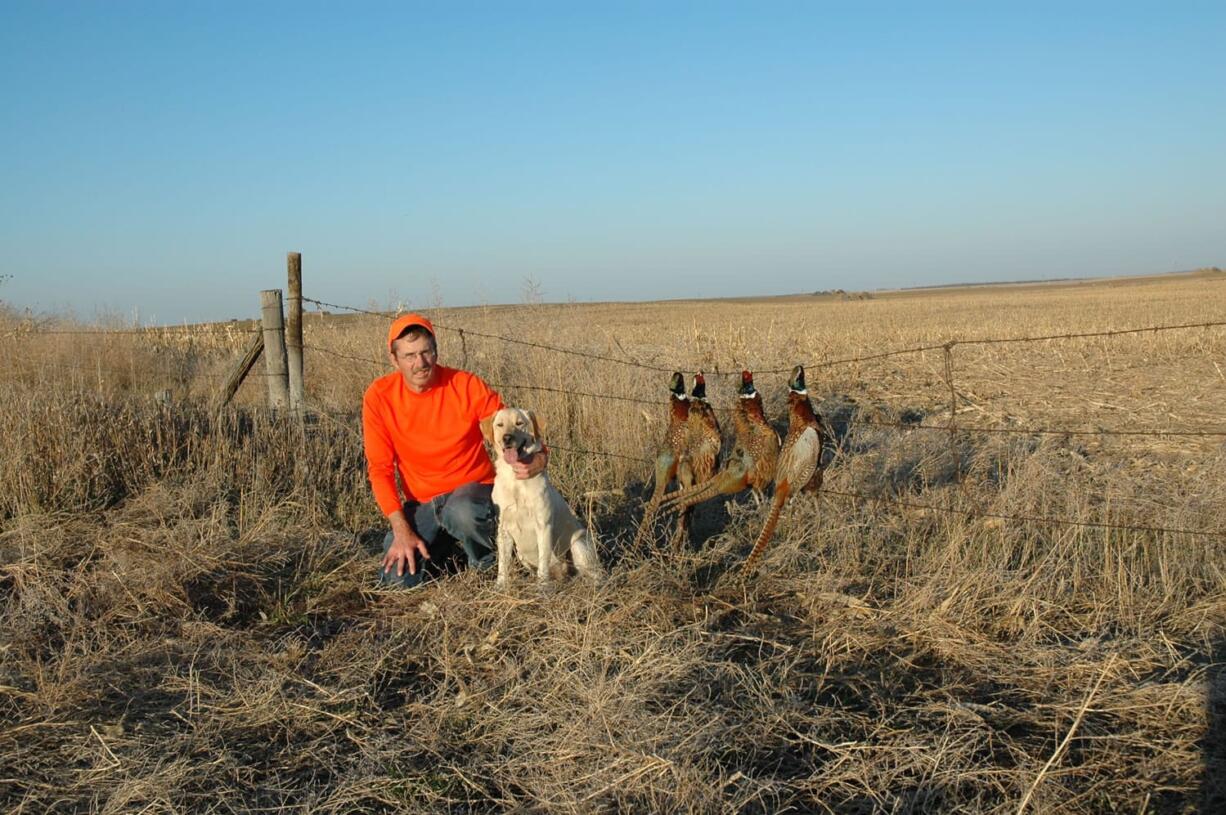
<point>190,624</point>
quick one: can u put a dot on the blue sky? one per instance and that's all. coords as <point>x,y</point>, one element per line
<point>160,158</point>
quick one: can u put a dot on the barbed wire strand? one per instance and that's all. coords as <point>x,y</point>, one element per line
<point>513,340</point>
<point>1085,334</point>
<point>977,513</point>
<point>373,362</point>
<point>813,365</point>
<point>604,453</point>
<point>211,329</point>
<point>505,386</point>
<point>629,362</point>
<point>960,429</point>
<point>1039,431</point>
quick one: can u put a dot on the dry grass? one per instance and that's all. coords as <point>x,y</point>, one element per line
<point>189,623</point>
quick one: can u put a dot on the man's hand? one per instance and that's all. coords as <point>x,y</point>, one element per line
<point>533,466</point>
<point>406,547</point>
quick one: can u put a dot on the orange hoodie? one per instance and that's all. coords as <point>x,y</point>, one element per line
<point>432,439</point>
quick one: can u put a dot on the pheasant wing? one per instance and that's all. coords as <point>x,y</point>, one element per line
<point>798,460</point>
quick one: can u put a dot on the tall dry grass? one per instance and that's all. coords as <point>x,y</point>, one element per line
<point>189,622</point>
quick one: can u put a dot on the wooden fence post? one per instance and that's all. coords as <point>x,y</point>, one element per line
<point>244,367</point>
<point>274,348</point>
<point>293,333</point>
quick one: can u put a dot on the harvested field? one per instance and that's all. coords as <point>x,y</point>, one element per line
<point>966,621</point>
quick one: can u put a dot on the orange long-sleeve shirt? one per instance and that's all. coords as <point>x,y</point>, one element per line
<point>433,439</point>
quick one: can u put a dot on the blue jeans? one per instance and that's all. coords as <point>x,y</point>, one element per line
<point>458,528</point>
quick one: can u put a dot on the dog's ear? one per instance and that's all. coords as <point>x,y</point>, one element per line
<point>538,426</point>
<point>487,429</point>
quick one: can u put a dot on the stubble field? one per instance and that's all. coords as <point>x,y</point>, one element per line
<point>1020,614</point>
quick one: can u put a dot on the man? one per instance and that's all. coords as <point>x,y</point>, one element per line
<point>421,422</point>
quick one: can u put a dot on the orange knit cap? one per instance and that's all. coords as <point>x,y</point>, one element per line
<point>403,322</point>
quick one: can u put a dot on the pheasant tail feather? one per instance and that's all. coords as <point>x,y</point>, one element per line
<point>685,498</point>
<point>649,515</point>
<point>666,468</point>
<point>730,479</point>
<point>768,529</point>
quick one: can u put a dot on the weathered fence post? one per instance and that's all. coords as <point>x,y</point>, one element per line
<point>244,367</point>
<point>274,348</point>
<point>953,411</point>
<point>293,333</point>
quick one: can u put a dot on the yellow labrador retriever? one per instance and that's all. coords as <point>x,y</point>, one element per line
<point>533,518</point>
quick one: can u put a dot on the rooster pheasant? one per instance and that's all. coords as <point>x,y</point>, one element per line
<point>752,463</point>
<point>799,464</point>
<point>701,455</point>
<point>669,454</point>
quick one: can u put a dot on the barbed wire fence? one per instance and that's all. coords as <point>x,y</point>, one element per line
<point>953,428</point>
<point>164,362</point>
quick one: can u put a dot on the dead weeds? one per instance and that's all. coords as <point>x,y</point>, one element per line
<point>189,620</point>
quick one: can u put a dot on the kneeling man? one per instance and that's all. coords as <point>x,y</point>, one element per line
<point>422,422</point>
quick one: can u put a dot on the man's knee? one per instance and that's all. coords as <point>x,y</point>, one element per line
<point>468,515</point>
<point>388,577</point>
<point>469,512</point>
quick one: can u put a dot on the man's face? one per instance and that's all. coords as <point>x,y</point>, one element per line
<point>415,358</point>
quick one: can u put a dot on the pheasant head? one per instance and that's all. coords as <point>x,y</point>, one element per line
<point>797,383</point>
<point>699,391</point>
<point>676,386</point>
<point>747,390</point>
<point>749,401</point>
<point>800,409</point>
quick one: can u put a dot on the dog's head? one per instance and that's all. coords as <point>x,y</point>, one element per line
<point>514,433</point>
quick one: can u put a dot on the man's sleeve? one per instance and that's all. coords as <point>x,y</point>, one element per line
<point>380,457</point>
<point>485,401</point>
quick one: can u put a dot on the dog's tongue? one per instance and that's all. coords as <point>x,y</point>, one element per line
<point>511,455</point>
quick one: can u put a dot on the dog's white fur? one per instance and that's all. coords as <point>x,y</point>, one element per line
<point>531,510</point>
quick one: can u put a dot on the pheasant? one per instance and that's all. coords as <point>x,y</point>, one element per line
<point>752,463</point>
<point>668,456</point>
<point>799,464</point>
<point>701,454</point>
